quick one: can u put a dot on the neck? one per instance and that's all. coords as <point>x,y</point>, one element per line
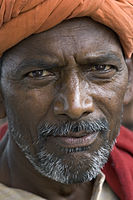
<point>19,173</point>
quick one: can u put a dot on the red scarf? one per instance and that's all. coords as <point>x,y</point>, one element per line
<point>119,168</point>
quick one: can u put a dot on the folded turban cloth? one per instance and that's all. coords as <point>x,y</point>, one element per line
<point>22,18</point>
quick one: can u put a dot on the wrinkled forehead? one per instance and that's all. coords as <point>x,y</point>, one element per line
<point>75,36</point>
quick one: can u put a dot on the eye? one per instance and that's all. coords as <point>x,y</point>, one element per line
<point>39,74</point>
<point>101,72</point>
<point>102,68</point>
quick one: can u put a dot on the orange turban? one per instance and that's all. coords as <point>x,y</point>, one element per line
<point>21,18</point>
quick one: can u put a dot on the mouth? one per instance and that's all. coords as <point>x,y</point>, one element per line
<point>74,140</point>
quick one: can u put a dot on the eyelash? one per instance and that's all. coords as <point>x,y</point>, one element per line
<point>40,74</point>
<point>101,68</point>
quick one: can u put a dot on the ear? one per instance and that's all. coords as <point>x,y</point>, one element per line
<point>129,93</point>
<point>2,107</point>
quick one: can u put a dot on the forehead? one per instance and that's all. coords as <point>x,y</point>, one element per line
<point>76,37</point>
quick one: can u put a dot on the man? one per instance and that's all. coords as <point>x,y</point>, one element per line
<point>63,91</point>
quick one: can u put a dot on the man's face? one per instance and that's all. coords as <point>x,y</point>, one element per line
<point>63,91</point>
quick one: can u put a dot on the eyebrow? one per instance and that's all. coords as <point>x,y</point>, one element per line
<point>101,58</point>
<point>30,63</point>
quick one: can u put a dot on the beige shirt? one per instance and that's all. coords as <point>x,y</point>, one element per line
<point>101,191</point>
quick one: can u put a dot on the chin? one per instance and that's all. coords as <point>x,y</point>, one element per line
<point>72,168</point>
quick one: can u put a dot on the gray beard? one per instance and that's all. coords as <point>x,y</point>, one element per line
<point>55,167</point>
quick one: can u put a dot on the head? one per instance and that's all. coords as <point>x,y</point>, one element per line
<point>63,92</point>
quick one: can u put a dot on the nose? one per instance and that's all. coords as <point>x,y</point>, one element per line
<point>73,99</point>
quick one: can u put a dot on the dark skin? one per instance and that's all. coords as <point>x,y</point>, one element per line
<point>87,79</point>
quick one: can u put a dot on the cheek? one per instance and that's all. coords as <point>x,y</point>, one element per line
<point>27,107</point>
<point>109,101</point>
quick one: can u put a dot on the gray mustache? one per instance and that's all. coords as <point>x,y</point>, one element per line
<point>47,129</point>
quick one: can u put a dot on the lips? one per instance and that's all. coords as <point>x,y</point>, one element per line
<point>77,139</point>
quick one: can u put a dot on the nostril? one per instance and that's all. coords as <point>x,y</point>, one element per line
<point>85,113</point>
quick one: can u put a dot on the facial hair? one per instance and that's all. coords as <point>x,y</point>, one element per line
<point>56,167</point>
